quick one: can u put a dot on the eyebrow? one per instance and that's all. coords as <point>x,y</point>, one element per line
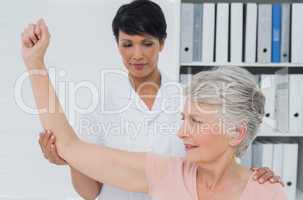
<point>149,39</point>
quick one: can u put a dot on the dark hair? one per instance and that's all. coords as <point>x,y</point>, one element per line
<point>140,17</point>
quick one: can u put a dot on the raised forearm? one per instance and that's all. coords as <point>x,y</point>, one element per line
<point>50,111</point>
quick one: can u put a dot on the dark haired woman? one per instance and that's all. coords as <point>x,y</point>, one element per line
<point>140,31</point>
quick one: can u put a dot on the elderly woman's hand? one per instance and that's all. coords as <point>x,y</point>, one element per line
<point>264,174</point>
<point>35,40</point>
<point>47,143</point>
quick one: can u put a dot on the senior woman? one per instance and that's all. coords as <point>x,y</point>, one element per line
<point>140,31</point>
<point>221,116</point>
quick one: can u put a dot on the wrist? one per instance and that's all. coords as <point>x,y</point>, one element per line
<point>33,65</point>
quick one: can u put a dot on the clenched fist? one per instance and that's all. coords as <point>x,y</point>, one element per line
<point>35,40</point>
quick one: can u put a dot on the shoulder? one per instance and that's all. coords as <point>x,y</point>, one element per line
<point>165,174</point>
<point>266,190</point>
<point>167,166</point>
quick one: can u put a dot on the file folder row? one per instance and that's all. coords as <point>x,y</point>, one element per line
<point>284,103</point>
<point>241,32</point>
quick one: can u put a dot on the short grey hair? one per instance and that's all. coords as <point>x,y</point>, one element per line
<point>237,91</point>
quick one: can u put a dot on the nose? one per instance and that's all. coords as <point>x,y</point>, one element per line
<point>138,53</point>
<point>183,131</point>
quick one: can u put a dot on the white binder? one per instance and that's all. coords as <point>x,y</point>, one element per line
<point>300,166</point>
<point>264,33</point>
<point>262,154</point>
<point>282,100</point>
<point>296,103</point>
<point>222,33</point>
<point>297,33</point>
<point>290,155</point>
<point>285,33</point>
<point>208,32</point>
<point>197,37</point>
<point>251,33</point>
<point>256,155</point>
<point>187,24</point>
<point>268,87</point>
<point>267,154</point>
<point>278,159</point>
<point>236,31</point>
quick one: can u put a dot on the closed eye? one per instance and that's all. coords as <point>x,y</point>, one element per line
<point>148,44</point>
<point>126,45</point>
<point>197,121</point>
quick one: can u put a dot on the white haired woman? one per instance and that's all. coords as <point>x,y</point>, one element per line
<point>222,113</point>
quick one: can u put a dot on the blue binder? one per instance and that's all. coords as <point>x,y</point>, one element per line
<point>276,33</point>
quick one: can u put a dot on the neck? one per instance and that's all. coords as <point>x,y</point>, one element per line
<point>151,81</point>
<point>213,175</point>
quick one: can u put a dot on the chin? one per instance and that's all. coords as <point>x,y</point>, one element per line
<point>141,73</point>
<point>193,157</point>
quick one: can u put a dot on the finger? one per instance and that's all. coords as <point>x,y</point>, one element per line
<point>266,177</point>
<point>277,179</point>
<point>37,32</point>
<point>40,141</point>
<point>44,29</point>
<point>45,139</point>
<point>259,173</point>
<point>55,154</point>
<point>32,34</point>
<point>24,42</point>
<point>48,146</point>
<point>282,182</point>
<point>27,41</point>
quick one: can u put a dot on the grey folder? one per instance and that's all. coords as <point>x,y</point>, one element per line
<point>285,33</point>
<point>197,41</point>
<point>187,21</point>
<point>264,33</point>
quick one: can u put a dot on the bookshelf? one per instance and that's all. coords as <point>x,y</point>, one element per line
<point>193,66</point>
<point>278,65</point>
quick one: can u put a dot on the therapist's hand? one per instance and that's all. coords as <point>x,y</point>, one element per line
<point>47,142</point>
<point>35,41</point>
<point>264,175</point>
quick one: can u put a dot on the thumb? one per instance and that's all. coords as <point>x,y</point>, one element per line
<point>44,29</point>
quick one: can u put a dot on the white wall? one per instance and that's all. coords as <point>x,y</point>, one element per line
<point>82,42</point>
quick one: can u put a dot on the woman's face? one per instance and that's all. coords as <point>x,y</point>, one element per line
<point>139,53</point>
<point>203,133</point>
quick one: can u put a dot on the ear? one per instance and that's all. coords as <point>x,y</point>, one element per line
<point>162,44</point>
<point>238,135</point>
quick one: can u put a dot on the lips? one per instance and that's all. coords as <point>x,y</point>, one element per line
<point>190,147</point>
<point>139,66</point>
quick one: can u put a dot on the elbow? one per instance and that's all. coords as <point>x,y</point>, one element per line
<point>89,196</point>
<point>65,147</point>
<point>88,193</point>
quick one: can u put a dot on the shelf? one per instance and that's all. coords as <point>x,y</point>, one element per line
<point>201,64</point>
<point>267,131</point>
<point>280,134</point>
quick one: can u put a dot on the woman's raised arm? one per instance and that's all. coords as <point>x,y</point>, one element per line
<point>118,168</point>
